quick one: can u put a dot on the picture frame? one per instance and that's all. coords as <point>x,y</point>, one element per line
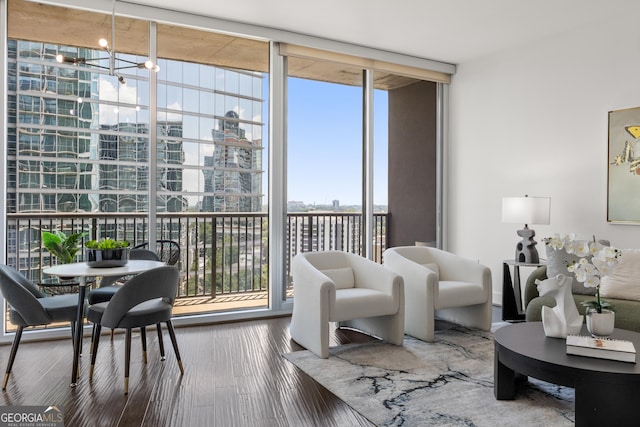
<point>623,170</point>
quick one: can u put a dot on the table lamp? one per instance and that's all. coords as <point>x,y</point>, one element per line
<point>526,210</point>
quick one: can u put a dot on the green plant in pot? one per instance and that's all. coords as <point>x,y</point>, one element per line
<point>107,253</point>
<point>62,246</point>
<point>107,243</point>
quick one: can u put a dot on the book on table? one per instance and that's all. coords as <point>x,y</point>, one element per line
<point>602,348</point>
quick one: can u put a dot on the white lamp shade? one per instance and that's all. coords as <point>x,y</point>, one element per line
<point>526,210</point>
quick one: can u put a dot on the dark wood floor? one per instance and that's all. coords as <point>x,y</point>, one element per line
<point>234,376</point>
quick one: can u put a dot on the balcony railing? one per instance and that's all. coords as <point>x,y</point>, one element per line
<point>221,253</point>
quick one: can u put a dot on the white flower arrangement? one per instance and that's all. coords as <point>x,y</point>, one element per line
<point>588,270</point>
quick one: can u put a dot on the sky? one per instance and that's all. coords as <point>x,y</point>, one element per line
<point>325,143</point>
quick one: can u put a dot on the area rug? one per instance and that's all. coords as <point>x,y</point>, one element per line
<point>448,382</point>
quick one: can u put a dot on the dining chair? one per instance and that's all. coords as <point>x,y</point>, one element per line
<point>29,307</point>
<point>144,300</point>
<point>167,250</point>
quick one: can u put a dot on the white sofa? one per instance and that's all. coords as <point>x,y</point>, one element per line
<point>335,286</point>
<point>443,285</point>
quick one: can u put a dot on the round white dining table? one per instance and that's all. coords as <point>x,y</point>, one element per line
<point>81,271</point>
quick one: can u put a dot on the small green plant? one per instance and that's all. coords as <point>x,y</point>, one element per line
<point>62,246</point>
<point>107,243</point>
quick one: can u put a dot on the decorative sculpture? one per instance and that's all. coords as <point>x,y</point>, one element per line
<point>563,319</point>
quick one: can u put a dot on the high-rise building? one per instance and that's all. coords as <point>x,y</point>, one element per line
<point>48,149</point>
<point>233,176</point>
<point>79,141</point>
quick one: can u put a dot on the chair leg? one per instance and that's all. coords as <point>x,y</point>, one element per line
<point>94,347</point>
<point>12,356</point>
<point>93,337</point>
<point>73,333</point>
<point>172,335</point>
<point>143,339</point>
<point>73,336</point>
<point>127,360</point>
<point>160,341</point>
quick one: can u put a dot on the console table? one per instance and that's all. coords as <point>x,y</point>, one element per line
<point>512,309</point>
<point>606,390</point>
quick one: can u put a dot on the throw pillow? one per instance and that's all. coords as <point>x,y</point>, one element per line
<point>624,280</point>
<point>433,267</point>
<point>342,277</point>
<point>557,261</point>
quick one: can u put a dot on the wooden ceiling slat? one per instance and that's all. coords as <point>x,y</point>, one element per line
<point>73,27</point>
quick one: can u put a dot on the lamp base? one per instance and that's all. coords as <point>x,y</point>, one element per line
<point>526,249</point>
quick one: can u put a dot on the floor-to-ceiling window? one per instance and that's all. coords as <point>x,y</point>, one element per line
<point>181,153</point>
<point>88,149</point>
<point>210,102</point>
<point>324,161</point>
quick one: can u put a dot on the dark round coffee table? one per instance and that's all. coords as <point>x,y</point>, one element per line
<point>606,390</point>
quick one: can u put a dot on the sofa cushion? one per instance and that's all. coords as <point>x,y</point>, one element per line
<point>433,267</point>
<point>342,277</point>
<point>557,260</point>
<point>624,280</point>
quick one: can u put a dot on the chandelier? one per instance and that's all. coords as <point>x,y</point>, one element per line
<point>104,44</point>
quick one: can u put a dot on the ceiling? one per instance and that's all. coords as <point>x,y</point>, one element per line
<point>452,31</point>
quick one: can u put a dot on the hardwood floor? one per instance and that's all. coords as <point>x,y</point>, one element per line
<point>234,376</point>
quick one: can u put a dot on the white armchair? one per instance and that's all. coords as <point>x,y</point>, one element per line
<point>443,285</point>
<point>334,286</point>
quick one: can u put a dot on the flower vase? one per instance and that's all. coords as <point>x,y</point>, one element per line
<point>600,324</point>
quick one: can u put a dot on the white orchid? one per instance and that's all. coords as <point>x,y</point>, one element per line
<point>596,261</point>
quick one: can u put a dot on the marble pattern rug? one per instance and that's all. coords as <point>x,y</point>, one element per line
<point>445,383</point>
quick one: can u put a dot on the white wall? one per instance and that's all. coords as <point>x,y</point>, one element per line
<point>533,120</point>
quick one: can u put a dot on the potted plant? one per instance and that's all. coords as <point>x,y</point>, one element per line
<point>62,246</point>
<point>107,253</point>
<point>595,261</point>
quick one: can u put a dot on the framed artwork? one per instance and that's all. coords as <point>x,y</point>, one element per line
<point>623,191</point>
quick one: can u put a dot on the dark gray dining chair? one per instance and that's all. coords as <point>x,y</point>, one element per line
<point>109,285</point>
<point>29,307</point>
<point>167,250</point>
<point>145,299</point>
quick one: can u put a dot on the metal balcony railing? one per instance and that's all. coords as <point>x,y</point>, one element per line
<point>221,253</point>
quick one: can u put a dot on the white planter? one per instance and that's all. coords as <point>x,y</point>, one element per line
<point>600,324</point>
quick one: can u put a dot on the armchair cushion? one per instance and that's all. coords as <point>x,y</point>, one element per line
<point>341,277</point>
<point>458,294</point>
<point>356,303</point>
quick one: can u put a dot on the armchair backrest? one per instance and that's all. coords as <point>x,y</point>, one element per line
<point>366,273</point>
<point>417,254</point>
<point>22,296</point>
<point>326,260</point>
